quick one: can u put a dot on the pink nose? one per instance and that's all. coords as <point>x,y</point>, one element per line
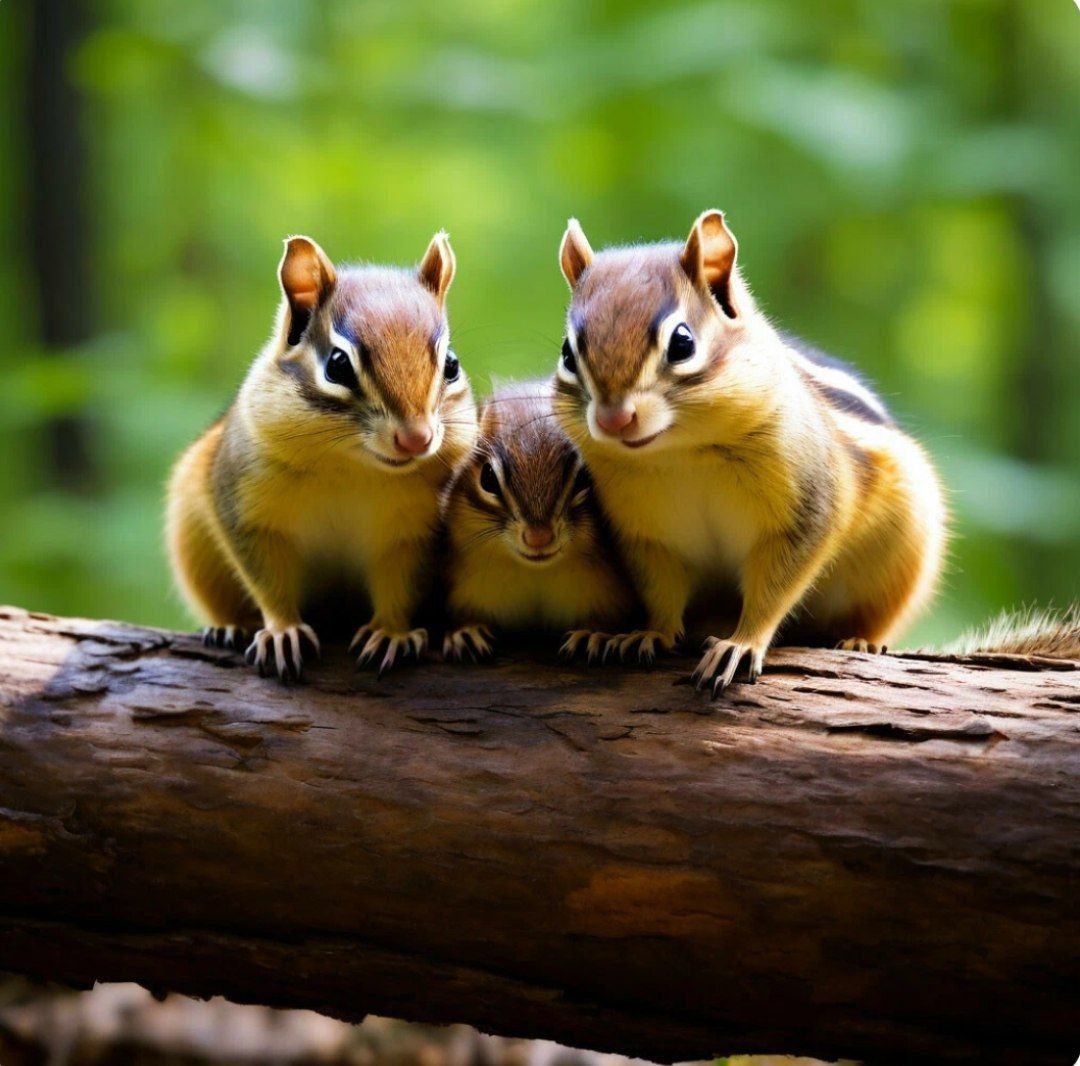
<point>414,439</point>
<point>614,420</point>
<point>538,536</point>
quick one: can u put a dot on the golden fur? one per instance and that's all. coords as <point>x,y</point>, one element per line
<point>301,489</point>
<point>749,465</point>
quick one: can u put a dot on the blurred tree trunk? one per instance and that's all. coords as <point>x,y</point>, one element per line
<point>58,218</point>
<point>1045,382</point>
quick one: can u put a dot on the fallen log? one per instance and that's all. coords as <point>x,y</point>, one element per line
<point>871,857</point>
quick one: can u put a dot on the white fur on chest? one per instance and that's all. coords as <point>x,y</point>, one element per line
<point>693,505</point>
<point>349,519</point>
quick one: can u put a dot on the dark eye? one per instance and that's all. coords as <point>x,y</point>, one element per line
<point>488,481</point>
<point>582,483</point>
<point>568,361</point>
<point>339,369</point>
<point>681,346</point>
<point>451,368</point>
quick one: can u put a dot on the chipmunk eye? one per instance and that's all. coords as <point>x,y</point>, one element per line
<point>681,346</point>
<point>488,481</point>
<point>569,362</point>
<point>339,369</point>
<point>582,484</point>
<point>451,368</point>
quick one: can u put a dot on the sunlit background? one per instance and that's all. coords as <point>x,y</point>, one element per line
<point>902,177</point>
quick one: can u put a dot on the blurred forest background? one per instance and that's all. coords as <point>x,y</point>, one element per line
<point>902,177</point>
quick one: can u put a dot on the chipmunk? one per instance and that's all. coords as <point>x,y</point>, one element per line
<point>326,471</point>
<point>528,547</point>
<point>723,450</point>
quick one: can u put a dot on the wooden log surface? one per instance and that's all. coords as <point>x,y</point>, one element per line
<point>871,857</point>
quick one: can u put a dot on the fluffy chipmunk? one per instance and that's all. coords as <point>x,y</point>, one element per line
<point>528,547</point>
<point>724,451</point>
<point>325,473</point>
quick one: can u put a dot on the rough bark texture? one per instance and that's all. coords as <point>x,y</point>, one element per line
<point>865,857</point>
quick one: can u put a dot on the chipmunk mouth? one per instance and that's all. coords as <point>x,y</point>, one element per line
<point>395,461</point>
<point>642,441</point>
<point>539,557</point>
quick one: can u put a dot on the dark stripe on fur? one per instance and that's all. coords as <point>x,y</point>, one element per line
<point>836,396</point>
<point>311,394</point>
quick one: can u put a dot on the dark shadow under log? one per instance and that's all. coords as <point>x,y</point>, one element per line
<point>863,857</point>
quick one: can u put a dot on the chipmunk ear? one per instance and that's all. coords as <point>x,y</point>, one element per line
<point>436,269</point>
<point>575,252</point>
<point>709,258</point>
<point>307,280</point>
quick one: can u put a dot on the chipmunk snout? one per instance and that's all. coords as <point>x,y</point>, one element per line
<point>414,438</point>
<point>616,419</point>
<point>538,537</point>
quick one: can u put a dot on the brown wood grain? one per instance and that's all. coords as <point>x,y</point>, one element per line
<point>863,857</point>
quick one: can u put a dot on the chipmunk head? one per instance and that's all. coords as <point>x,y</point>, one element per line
<point>524,489</point>
<point>649,332</point>
<point>363,362</point>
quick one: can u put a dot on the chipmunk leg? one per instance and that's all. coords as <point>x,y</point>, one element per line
<point>776,575</point>
<point>271,569</point>
<point>393,584</point>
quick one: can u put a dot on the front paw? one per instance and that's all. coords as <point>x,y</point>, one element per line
<point>644,643</point>
<point>232,637</point>
<point>859,644</point>
<point>278,648</point>
<point>473,643</point>
<point>394,644</point>
<point>721,660</point>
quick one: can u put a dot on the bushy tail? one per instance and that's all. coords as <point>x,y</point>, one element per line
<point>1030,631</point>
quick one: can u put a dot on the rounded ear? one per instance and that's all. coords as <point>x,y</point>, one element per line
<point>709,258</point>
<point>307,279</point>
<point>575,252</point>
<point>436,269</point>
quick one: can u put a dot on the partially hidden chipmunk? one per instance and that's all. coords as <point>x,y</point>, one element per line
<point>325,473</point>
<point>528,549</point>
<point>723,450</point>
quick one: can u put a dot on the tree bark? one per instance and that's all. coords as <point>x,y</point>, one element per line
<point>864,857</point>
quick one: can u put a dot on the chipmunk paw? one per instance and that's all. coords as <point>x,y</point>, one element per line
<point>584,641</point>
<point>721,661</point>
<point>473,643</point>
<point>646,644</point>
<point>858,644</point>
<point>279,649</point>
<point>395,645</point>
<point>232,637</point>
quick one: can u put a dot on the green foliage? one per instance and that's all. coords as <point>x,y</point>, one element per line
<point>902,178</point>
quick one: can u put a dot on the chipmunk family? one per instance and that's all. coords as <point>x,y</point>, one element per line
<point>325,473</point>
<point>724,451</point>
<point>527,545</point>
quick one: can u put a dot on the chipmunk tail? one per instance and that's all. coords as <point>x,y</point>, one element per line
<point>1044,632</point>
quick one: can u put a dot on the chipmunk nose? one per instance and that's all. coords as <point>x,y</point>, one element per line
<point>538,536</point>
<point>413,439</point>
<point>615,418</point>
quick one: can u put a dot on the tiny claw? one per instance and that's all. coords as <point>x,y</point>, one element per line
<point>388,659</point>
<point>374,643</point>
<point>312,638</point>
<point>359,637</point>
